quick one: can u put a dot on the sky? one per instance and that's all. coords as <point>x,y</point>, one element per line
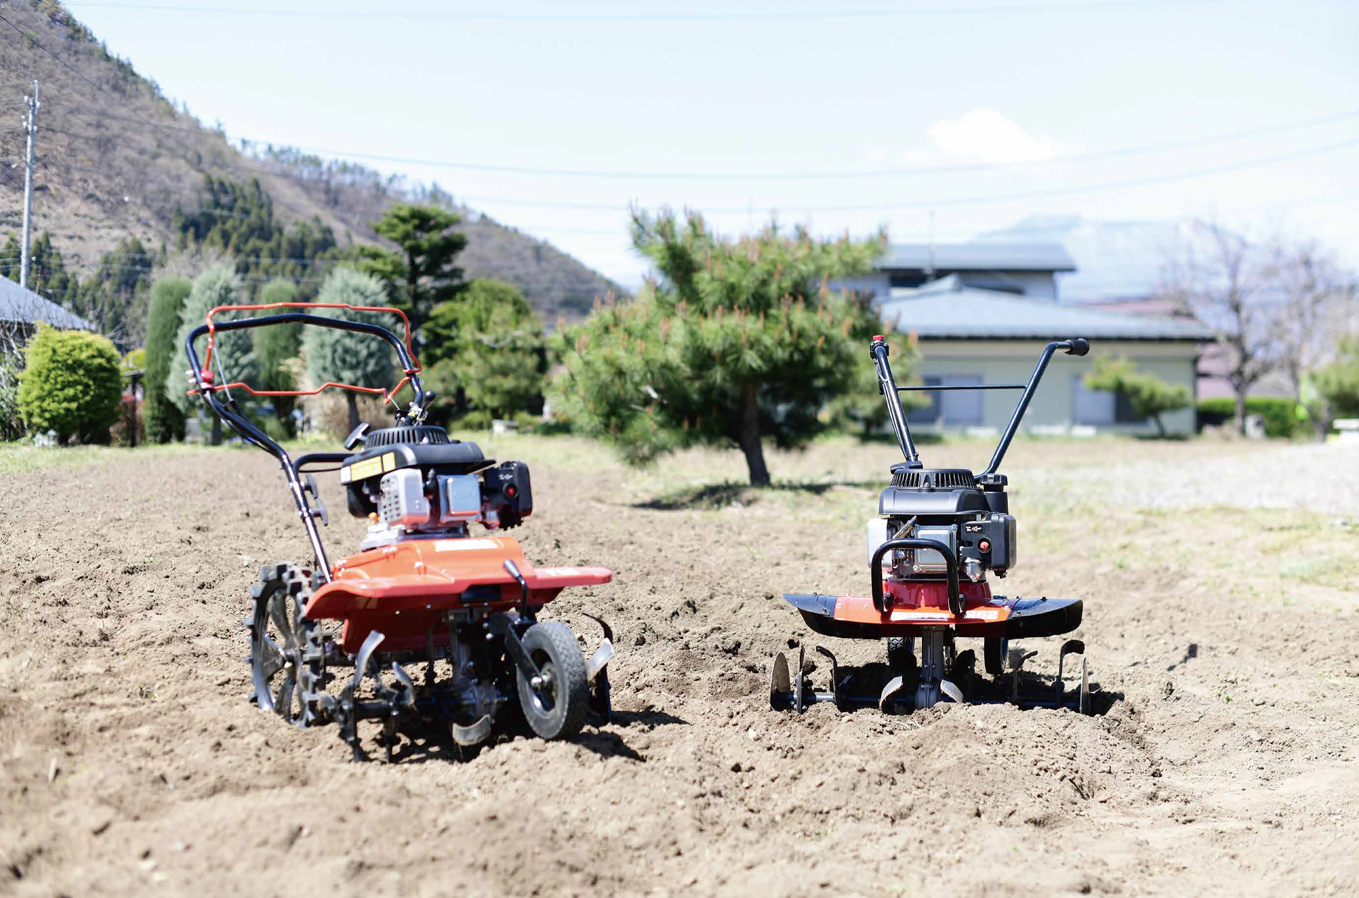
<point>930,118</point>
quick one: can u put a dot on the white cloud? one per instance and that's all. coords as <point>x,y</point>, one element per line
<point>985,135</point>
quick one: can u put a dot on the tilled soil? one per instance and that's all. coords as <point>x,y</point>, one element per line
<point>1222,634</point>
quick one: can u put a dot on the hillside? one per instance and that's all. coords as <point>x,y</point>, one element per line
<point>116,158</point>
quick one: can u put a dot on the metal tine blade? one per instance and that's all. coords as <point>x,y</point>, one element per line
<point>365,655</point>
<point>1070,647</point>
<point>799,682</point>
<point>1085,707</point>
<point>834,675</point>
<point>408,695</point>
<point>780,684</point>
<point>1015,667</point>
<point>890,692</point>
<point>952,691</point>
<point>608,631</point>
<point>601,657</point>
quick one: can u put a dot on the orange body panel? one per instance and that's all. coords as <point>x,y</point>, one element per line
<point>403,589</point>
<point>924,602</point>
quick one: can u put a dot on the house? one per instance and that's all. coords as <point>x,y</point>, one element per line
<point>970,335</point>
<point>1022,269</point>
<point>22,309</point>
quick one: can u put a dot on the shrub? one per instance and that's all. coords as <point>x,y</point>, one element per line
<point>1338,382</point>
<point>1280,415</point>
<point>1149,395</point>
<point>164,419</point>
<point>71,384</point>
<point>344,356</point>
<point>11,364</point>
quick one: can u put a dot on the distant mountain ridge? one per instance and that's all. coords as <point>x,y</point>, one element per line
<point>115,158</point>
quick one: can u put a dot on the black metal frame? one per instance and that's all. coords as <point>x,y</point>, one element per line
<point>955,600</point>
<point>887,386</point>
<point>230,413</point>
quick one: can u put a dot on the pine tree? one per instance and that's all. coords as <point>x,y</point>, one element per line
<point>424,272</point>
<point>486,349</point>
<point>1149,396</point>
<point>336,356</point>
<point>233,358</point>
<point>739,340</point>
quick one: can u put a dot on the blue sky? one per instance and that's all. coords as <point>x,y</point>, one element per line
<point>722,92</point>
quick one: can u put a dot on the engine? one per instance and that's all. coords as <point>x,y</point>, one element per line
<point>415,482</point>
<point>967,514</point>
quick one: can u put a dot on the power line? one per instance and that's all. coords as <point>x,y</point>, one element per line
<point>1093,155</point>
<point>966,201</point>
<point>959,168</point>
<point>728,16</point>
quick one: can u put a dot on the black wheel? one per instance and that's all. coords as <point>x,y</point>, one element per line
<point>554,707</point>
<point>286,661</point>
<point>900,652</point>
<point>994,649</point>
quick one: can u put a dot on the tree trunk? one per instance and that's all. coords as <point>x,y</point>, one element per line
<point>749,439</point>
<point>353,401</point>
<point>1160,427</point>
<point>216,438</point>
<point>1240,409</point>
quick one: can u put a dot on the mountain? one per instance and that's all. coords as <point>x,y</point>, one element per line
<point>118,160</point>
<point>1115,260</point>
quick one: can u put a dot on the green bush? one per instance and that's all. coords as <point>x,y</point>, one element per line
<point>1338,382</point>
<point>71,384</point>
<point>1280,415</point>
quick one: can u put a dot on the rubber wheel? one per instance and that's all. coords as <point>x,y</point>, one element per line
<point>556,710</point>
<point>900,652</point>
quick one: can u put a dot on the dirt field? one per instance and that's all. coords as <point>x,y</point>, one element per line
<point>1221,612</point>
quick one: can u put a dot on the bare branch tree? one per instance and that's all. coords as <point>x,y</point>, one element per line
<point>1222,279</point>
<point>1317,301</point>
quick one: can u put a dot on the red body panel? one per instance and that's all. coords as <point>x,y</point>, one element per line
<point>404,588</point>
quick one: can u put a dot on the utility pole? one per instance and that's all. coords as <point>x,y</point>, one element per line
<point>32,128</point>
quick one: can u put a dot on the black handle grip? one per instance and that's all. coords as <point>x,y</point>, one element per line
<point>955,601</point>
<point>1077,346</point>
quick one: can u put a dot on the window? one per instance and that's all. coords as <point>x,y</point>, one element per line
<point>1100,407</point>
<point>925,414</point>
<point>1094,407</point>
<point>962,408</point>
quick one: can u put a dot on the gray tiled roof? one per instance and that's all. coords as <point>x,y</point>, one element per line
<point>977,257</point>
<point>971,314</point>
<point>25,306</point>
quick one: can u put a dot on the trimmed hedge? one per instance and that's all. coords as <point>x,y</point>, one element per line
<point>71,384</point>
<point>1280,415</point>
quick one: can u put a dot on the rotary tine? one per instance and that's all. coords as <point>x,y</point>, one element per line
<point>1016,667</point>
<point>1070,647</point>
<point>601,701</point>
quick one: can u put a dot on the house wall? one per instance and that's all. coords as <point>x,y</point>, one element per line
<point>1055,402</point>
<point>1039,285</point>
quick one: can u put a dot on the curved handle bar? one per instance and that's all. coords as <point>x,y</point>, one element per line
<point>887,386</point>
<point>1074,346</point>
<point>408,364</point>
<point>955,601</point>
